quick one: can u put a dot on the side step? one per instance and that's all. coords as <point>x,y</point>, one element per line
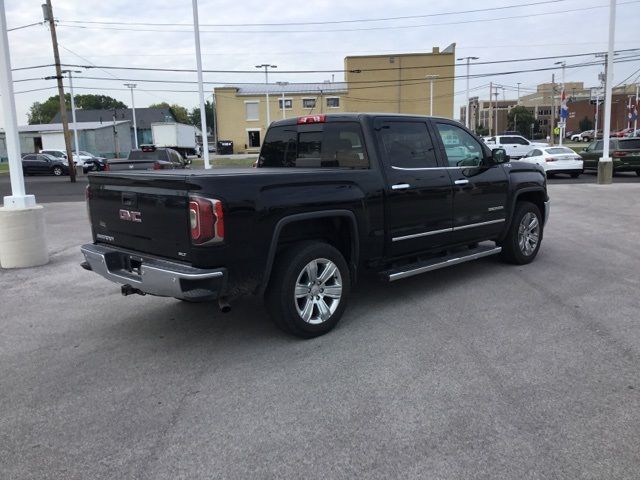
<point>417,268</point>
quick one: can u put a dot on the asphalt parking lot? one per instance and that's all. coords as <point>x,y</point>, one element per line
<point>480,371</point>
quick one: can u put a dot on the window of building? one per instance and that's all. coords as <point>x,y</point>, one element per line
<point>288,103</point>
<point>254,138</point>
<point>408,144</point>
<point>333,102</point>
<point>308,103</point>
<point>252,110</point>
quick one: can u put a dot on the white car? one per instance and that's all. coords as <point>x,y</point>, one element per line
<point>556,160</point>
<point>515,145</point>
<point>62,155</point>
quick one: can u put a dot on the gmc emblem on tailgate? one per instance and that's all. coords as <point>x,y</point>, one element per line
<point>130,216</point>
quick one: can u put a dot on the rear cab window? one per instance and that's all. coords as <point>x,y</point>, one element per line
<point>317,145</point>
<point>629,144</point>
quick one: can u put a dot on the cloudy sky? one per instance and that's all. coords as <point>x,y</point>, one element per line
<point>156,34</point>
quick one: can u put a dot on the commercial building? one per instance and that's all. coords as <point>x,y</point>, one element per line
<point>398,83</point>
<point>103,140</point>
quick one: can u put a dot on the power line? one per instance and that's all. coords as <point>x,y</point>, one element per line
<point>23,26</point>
<point>245,32</point>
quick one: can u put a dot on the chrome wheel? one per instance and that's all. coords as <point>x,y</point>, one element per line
<point>528,234</point>
<point>318,291</point>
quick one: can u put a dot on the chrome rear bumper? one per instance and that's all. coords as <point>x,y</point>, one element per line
<point>154,276</point>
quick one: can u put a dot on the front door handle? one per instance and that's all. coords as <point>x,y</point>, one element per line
<point>461,182</point>
<point>400,186</point>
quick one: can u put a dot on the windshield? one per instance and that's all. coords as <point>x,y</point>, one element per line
<point>559,150</point>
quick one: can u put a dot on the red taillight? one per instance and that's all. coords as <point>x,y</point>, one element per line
<point>106,167</point>
<point>206,219</point>
<point>619,154</point>
<point>156,166</point>
<point>550,159</point>
<point>311,119</point>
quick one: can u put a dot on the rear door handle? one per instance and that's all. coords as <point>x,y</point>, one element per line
<point>461,182</point>
<point>400,186</point>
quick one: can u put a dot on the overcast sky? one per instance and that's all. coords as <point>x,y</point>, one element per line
<point>539,30</point>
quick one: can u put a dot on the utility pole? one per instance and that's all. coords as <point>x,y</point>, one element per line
<point>564,113</point>
<point>519,93</point>
<point>553,109</point>
<point>116,145</point>
<point>48,17</point>
<point>496,115</point>
<point>203,112</point>
<point>635,122</point>
<point>73,109</point>
<point>431,77</point>
<point>468,109</point>
<point>266,67</point>
<point>605,164</point>
<point>490,108</point>
<point>595,135</point>
<point>131,86</point>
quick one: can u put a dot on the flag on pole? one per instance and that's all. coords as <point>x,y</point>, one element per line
<point>564,109</point>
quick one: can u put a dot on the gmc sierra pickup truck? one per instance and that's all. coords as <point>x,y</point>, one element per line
<point>331,197</point>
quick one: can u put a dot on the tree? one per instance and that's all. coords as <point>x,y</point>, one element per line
<point>520,119</point>
<point>181,114</point>
<point>194,116</point>
<point>585,124</point>
<point>43,112</point>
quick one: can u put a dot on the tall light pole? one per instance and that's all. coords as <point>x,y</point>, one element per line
<point>283,84</point>
<point>266,67</point>
<point>131,86</point>
<point>605,164</point>
<point>564,112</point>
<point>203,112</point>
<point>431,78</point>
<point>467,112</point>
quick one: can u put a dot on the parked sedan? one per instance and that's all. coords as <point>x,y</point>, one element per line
<point>33,164</point>
<point>556,160</point>
<point>625,153</point>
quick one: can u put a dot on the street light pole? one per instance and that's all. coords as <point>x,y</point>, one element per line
<point>266,67</point>
<point>283,84</point>
<point>131,86</point>
<point>203,112</point>
<point>605,164</point>
<point>563,104</point>
<point>431,77</point>
<point>468,110</point>
<point>73,109</point>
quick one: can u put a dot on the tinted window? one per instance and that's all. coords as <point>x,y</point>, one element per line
<point>461,147</point>
<point>151,155</point>
<point>330,145</point>
<point>54,153</point>
<point>559,150</point>
<point>29,157</point>
<point>535,153</point>
<point>630,144</point>
<point>599,144</point>
<point>407,144</point>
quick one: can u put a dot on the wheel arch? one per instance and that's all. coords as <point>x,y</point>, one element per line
<point>351,254</point>
<point>535,195</point>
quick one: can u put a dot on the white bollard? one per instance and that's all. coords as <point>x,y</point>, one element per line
<point>22,237</point>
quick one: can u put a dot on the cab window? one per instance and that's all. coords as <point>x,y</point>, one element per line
<point>461,148</point>
<point>407,144</point>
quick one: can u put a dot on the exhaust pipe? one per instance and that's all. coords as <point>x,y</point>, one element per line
<point>223,305</point>
<point>127,290</point>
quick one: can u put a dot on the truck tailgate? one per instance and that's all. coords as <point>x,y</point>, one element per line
<point>142,212</point>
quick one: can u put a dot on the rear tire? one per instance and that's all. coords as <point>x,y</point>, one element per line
<point>308,289</point>
<point>522,243</point>
<point>57,171</point>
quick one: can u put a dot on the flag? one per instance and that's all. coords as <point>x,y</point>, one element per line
<point>633,112</point>
<point>564,109</point>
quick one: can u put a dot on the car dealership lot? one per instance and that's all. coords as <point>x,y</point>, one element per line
<point>483,370</point>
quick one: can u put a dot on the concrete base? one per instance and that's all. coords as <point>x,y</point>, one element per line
<point>605,171</point>
<point>22,237</point>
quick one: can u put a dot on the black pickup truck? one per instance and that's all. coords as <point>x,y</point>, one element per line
<point>331,197</point>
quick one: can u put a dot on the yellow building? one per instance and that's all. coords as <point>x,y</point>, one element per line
<point>242,114</point>
<point>411,83</point>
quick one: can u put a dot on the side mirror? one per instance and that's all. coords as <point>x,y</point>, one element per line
<point>585,149</point>
<point>499,155</point>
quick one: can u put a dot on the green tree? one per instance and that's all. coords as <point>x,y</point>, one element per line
<point>194,116</point>
<point>585,124</point>
<point>43,112</point>
<point>180,113</point>
<point>520,119</point>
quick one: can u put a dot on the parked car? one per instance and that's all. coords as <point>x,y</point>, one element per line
<point>61,155</point>
<point>556,160</point>
<point>625,153</point>
<point>93,163</point>
<point>516,145</point>
<point>332,197</point>
<point>622,133</point>
<point>633,134</point>
<point>43,164</point>
<point>149,158</point>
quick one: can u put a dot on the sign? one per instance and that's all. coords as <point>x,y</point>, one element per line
<point>562,124</point>
<point>564,109</point>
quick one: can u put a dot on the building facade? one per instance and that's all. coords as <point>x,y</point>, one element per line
<point>373,83</point>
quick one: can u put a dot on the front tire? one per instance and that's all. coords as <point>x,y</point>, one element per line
<point>308,289</point>
<point>57,171</point>
<point>522,243</point>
